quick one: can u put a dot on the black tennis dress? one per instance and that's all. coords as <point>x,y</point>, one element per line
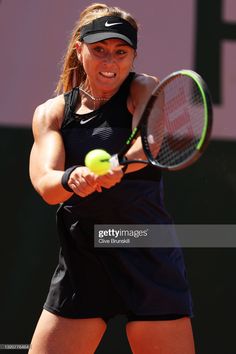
<point>102,282</point>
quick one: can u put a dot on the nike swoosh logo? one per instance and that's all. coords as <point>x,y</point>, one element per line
<point>86,121</point>
<point>108,24</point>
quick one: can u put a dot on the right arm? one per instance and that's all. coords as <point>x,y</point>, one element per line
<point>47,158</point>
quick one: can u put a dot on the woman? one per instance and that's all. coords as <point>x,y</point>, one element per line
<point>101,101</point>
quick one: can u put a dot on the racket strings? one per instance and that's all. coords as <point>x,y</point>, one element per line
<point>175,130</point>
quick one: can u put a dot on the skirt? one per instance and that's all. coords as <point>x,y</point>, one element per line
<point>104,282</point>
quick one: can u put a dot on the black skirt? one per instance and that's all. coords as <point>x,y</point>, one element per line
<point>103,282</point>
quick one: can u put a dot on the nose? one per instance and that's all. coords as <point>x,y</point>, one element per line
<point>109,58</point>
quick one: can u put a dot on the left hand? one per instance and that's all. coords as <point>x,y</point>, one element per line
<point>110,179</point>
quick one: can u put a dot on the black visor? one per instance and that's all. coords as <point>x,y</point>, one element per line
<point>109,27</point>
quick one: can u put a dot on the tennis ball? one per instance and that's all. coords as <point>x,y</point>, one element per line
<point>98,161</point>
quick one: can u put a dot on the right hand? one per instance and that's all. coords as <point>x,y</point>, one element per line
<point>83,182</point>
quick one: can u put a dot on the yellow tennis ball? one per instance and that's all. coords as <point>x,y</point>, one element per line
<point>98,161</point>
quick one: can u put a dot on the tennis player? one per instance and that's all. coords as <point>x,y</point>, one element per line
<point>99,99</point>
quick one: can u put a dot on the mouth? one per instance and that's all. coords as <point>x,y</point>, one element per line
<point>107,74</point>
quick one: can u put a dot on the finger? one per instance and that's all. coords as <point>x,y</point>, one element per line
<point>91,180</point>
<point>77,191</point>
<point>108,183</point>
<point>99,188</point>
<point>81,187</point>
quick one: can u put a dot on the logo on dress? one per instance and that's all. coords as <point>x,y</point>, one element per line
<point>82,121</point>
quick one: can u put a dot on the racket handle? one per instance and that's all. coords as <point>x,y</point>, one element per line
<point>116,161</point>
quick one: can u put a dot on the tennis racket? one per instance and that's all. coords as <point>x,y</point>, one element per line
<point>176,124</point>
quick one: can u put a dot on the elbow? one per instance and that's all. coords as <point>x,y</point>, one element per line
<point>49,197</point>
<point>51,193</point>
<point>49,200</point>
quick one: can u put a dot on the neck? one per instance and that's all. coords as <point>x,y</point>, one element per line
<point>95,101</point>
<point>89,94</point>
<point>94,93</point>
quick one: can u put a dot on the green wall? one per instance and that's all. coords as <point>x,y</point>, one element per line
<point>202,194</point>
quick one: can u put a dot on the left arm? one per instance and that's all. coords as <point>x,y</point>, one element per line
<point>141,89</point>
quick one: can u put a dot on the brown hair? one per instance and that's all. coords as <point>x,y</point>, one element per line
<point>72,73</point>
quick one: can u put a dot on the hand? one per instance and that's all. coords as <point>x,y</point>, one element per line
<point>83,182</point>
<point>110,179</point>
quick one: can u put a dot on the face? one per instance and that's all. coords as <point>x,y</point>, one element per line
<point>106,63</point>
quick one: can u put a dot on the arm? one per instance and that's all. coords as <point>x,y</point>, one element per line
<point>140,91</point>
<point>47,157</point>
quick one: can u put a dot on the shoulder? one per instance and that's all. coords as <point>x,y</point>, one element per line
<point>144,80</point>
<point>141,88</point>
<point>50,113</point>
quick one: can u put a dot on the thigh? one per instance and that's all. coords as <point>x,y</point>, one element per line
<point>59,335</point>
<point>161,337</point>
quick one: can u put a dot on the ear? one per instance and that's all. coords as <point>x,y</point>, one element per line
<point>135,55</point>
<point>78,47</point>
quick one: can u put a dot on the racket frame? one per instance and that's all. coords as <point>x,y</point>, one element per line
<point>207,127</point>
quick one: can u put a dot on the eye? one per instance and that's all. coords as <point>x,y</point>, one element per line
<point>121,52</point>
<point>98,49</point>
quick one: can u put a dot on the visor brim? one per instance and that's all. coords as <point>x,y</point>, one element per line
<point>97,37</point>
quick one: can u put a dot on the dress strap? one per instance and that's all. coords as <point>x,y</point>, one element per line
<point>70,98</point>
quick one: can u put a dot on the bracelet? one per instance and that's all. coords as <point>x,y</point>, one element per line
<point>66,176</point>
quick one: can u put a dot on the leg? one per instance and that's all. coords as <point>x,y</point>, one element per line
<point>59,335</point>
<point>161,337</point>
